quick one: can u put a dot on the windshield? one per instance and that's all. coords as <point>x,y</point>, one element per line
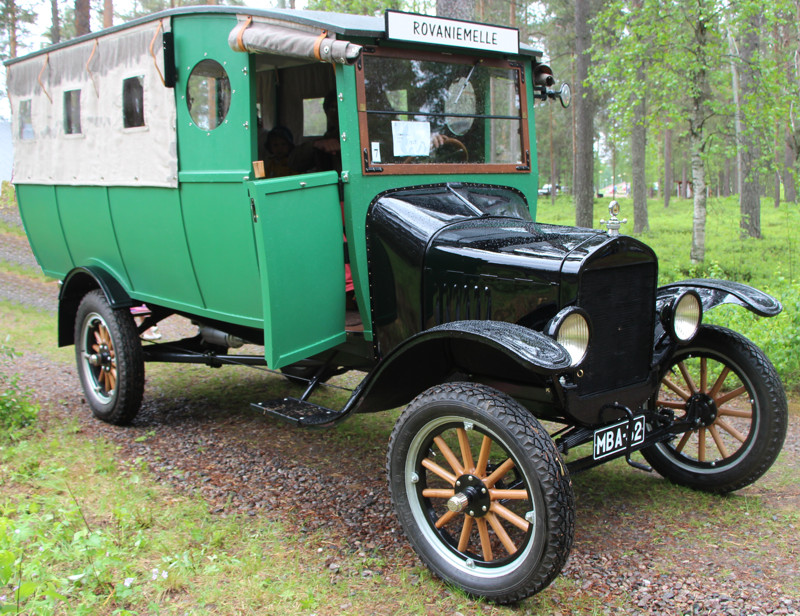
<point>442,111</point>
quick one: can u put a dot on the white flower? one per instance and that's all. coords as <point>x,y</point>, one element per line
<point>164,574</point>
<point>127,583</point>
<point>155,574</point>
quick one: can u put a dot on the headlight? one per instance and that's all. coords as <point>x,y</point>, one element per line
<point>570,328</point>
<point>683,316</point>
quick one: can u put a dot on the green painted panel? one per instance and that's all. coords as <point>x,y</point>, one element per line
<point>299,238</point>
<point>153,245</point>
<point>231,146</point>
<point>39,209</point>
<point>219,230</point>
<point>86,219</point>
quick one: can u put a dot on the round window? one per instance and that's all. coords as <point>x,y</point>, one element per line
<point>208,94</point>
<point>460,100</point>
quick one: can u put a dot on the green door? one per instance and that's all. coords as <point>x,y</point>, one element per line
<point>298,229</point>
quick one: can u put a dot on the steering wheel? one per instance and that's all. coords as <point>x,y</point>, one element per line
<point>459,147</point>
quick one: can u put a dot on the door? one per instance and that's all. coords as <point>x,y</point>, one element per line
<point>298,229</point>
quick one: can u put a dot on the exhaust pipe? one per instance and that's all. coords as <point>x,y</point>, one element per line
<point>219,338</point>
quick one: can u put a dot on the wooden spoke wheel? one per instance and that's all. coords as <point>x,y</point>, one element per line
<point>728,391</point>
<point>109,358</point>
<point>480,490</point>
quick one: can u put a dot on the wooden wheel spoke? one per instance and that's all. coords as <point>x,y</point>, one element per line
<point>701,445</point>
<point>466,530</point>
<point>501,533</point>
<point>718,383</point>
<point>438,470</point>
<point>448,454</point>
<point>683,441</point>
<point>437,493</point>
<point>718,441</point>
<point>97,336</point>
<point>687,377</point>
<point>672,404</point>
<point>508,494</point>
<point>499,473</point>
<point>112,380</point>
<point>445,518</point>
<point>483,456</point>
<point>730,395</point>
<point>745,414</point>
<point>678,390</point>
<point>507,514</point>
<point>96,348</point>
<point>466,452</point>
<point>730,430</point>
<point>486,544</point>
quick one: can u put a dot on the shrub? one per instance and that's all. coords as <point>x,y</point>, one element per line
<point>17,411</point>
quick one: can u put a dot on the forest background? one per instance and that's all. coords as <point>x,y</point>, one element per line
<point>676,103</point>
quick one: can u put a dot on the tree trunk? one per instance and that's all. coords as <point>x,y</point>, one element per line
<point>552,159</point>
<point>789,158</point>
<point>750,151</point>
<point>460,9</point>
<point>726,183</point>
<point>82,9</point>
<point>667,166</point>
<point>638,155</point>
<point>684,182</point>
<point>108,13</point>
<point>583,179</point>
<point>777,150</point>
<point>11,10</point>
<point>698,251</point>
<point>55,29</point>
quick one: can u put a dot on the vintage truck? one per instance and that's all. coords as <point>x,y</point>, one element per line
<point>387,226</point>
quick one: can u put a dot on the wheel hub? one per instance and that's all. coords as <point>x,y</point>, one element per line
<point>702,411</point>
<point>101,359</point>
<point>471,497</point>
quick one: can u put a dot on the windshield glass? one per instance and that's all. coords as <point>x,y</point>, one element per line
<point>442,111</point>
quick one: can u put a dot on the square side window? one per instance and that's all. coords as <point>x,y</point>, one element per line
<point>133,102</point>
<point>25,121</point>
<point>72,112</point>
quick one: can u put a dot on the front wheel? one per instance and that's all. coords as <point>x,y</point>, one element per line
<point>481,491</point>
<point>110,360</point>
<point>727,388</point>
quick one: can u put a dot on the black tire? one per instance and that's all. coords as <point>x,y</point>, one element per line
<point>745,418</point>
<point>467,549</point>
<point>110,360</point>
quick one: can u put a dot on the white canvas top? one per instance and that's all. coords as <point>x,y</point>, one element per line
<point>105,153</point>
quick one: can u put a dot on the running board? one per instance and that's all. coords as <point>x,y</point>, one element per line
<point>299,413</point>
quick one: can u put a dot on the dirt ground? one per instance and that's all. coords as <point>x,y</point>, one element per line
<point>628,553</point>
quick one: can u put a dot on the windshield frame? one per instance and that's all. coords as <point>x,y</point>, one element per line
<point>426,168</point>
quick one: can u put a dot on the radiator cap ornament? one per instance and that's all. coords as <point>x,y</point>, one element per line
<point>613,223</point>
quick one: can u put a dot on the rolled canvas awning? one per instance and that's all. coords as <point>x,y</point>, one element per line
<point>258,37</point>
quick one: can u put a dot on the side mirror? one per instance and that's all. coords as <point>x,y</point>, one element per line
<point>564,95</point>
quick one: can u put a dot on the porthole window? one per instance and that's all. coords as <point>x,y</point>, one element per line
<point>208,94</point>
<point>133,102</point>
<point>25,120</point>
<point>72,112</point>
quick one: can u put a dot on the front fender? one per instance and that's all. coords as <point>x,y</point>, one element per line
<point>502,351</point>
<point>714,292</point>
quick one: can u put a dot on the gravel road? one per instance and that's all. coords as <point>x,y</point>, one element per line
<point>244,463</point>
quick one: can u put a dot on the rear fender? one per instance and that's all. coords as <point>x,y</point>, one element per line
<point>75,286</point>
<point>501,351</point>
<point>714,292</point>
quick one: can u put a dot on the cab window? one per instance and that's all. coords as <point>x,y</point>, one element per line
<point>439,111</point>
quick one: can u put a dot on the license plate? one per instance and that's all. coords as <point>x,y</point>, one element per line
<point>613,439</point>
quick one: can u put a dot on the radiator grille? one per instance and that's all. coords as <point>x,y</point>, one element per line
<point>621,304</point>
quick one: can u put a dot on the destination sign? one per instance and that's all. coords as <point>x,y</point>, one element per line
<point>440,31</point>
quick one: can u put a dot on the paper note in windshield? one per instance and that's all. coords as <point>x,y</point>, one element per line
<point>411,138</point>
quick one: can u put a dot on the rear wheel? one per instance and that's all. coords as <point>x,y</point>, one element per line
<point>481,491</point>
<point>109,358</point>
<point>728,388</point>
